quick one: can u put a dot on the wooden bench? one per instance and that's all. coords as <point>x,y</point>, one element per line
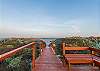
<point>77,58</point>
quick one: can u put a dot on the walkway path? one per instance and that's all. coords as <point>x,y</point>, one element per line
<point>49,62</point>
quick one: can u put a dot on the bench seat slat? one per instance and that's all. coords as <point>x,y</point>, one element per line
<point>76,48</point>
<point>78,55</point>
<point>78,61</point>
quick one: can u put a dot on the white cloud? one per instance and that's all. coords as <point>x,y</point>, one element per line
<point>73,26</point>
<point>76,29</point>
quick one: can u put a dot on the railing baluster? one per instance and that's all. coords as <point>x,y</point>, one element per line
<point>33,57</point>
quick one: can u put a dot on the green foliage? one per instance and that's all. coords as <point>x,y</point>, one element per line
<point>77,41</point>
<point>21,61</point>
<point>58,48</point>
<point>37,51</point>
<point>15,63</point>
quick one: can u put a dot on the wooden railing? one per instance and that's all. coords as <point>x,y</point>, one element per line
<point>13,52</point>
<point>53,46</point>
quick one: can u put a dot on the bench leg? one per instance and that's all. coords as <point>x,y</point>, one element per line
<point>64,62</point>
<point>93,64</point>
<point>69,66</point>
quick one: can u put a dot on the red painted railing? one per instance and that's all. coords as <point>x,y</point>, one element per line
<point>13,52</point>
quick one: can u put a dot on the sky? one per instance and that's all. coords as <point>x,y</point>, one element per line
<point>49,18</point>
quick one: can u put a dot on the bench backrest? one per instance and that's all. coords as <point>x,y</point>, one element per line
<point>73,48</point>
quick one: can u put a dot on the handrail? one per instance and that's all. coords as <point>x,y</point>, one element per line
<point>52,45</point>
<point>11,53</point>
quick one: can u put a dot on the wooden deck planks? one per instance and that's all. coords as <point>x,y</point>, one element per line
<point>49,62</point>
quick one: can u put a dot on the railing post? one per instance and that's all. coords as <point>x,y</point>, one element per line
<point>92,52</point>
<point>53,47</point>
<point>41,47</point>
<point>33,56</point>
<point>63,48</point>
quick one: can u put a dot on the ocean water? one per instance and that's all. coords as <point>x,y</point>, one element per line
<point>48,40</point>
<point>2,38</point>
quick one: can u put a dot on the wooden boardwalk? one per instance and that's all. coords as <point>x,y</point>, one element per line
<point>49,62</point>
